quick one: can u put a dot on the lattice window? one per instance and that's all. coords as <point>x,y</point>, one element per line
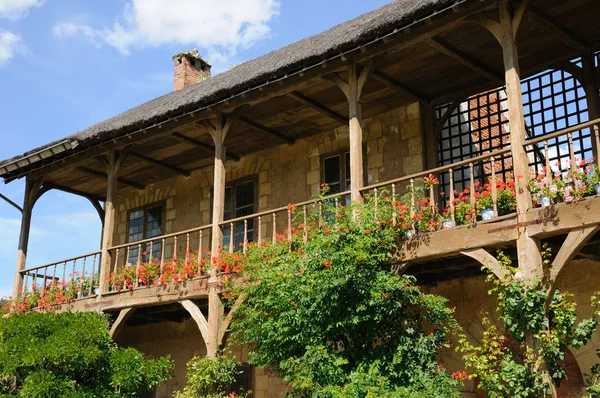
<point>476,127</point>
<point>145,223</point>
<point>552,100</point>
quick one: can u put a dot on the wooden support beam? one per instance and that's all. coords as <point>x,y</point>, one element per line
<point>160,163</point>
<point>199,318</point>
<point>385,79</point>
<point>115,161</point>
<point>267,130</point>
<point>319,107</point>
<point>119,180</point>
<point>99,209</point>
<point>576,239</point>
<point>209,148</point>
<point>49,185</point>
<point>227,321</point>
<point>487,260</point>
<point>536,16</point>
<point>10,202</point>
<point>528,248</point>
<point>120,322</point>
<point>519,14</point>
<point>32,188</point>
<point>465,60</point>
<point>442,120</point>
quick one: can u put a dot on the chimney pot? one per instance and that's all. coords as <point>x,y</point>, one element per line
<point>190,69</point>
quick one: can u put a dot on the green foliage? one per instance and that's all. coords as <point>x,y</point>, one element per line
<point>524,359</point>
<point>71,355</point>
<point>211,378</point>
<point>332,317</point>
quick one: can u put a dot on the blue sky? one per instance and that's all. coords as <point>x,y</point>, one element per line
<point>67,64</point>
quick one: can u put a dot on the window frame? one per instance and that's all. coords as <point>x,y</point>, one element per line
<point>342,153</point>
<point>145,208</point>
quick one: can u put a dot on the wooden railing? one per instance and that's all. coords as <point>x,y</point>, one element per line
<point>190,246</point>
<point>407,183</point>
<point>543,142</point>
<point>76,277</point>
<point>273,225</point>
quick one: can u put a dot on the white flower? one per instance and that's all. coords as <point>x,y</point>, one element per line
<point>518,276</point>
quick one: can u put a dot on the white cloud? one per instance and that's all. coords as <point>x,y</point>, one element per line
<point>15,9</point>
<point>8,45</point>
<point>219,26</point>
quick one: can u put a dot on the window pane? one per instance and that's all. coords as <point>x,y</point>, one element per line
<point>332,173</point>
<point>228,197</point>
<point>244,198</point>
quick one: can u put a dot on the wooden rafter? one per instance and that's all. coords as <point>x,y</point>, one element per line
<point>385,79</point>
<point>160,163</point>
<point>541,20</point>
<point>465,60</point>
<point>208,147</point>
<point>267,130</point>
<point>316,105</point>
<point>133,184</point>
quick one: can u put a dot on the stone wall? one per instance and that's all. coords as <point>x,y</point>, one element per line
<point>469,296</point>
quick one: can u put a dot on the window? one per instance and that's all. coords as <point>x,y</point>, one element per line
<point>240,200</point>
<point>145,223</point>
<point>336,172</point>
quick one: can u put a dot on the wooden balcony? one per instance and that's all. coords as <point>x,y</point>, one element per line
<point>76,281</point>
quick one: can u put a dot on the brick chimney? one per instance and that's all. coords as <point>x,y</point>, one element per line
<point>190,69</point>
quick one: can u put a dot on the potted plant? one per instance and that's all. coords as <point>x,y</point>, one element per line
<point>593,176</point>
<point>485,203</point>
<point>545,188</point>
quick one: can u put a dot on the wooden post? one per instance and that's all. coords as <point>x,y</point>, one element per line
<point>431,138</point>
<point>592,94</point>
<point>528,249</point>
<point>215,306</point>
<point>357,77</point>
<point>215,317</point>
<point>114,160</point>
<point>356,134</point>
<point>32,189</point>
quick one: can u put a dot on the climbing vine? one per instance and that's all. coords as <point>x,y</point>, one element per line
<point>539,324</point>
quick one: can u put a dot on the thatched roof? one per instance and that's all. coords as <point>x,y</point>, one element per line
<point>253,73</point>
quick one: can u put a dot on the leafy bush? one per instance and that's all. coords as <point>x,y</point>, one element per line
<point>332,317</point>
<point>71,355</point>
<point>212,378</point>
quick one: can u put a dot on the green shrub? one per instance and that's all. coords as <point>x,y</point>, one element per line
<point>211,378</point>
<point>334,319</point>
<point>71,355</point>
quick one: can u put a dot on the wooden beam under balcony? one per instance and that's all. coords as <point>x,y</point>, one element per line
<point>103,174</point>
<point>465,60</point>
<point>160,163</point>
<point>318,106</point>
<point>209,148</point>
<point>267,130</point>
<point>385,79</point>
<point>536,16</point>
<point>451,242</point>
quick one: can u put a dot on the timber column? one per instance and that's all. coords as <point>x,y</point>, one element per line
<point>32,189</point>
<point>592,95</point>
<point>114,160</point>
<point>357,76</point>
<point>529,256</point>
<point>218,131</point>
